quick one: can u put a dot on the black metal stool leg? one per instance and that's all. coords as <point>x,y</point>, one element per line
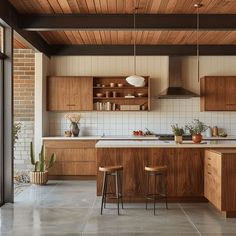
<point>154,195</point>
<point>117,193</point>
<point>166,191</point>
<point>121,192</point>
<point>103,189</point>
<point>147,189</point>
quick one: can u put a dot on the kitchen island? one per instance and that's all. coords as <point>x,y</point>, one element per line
<point>185,166</point>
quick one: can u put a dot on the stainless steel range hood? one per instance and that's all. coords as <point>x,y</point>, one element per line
<point>175,89</point>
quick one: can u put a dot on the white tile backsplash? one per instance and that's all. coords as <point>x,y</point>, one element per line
<point>169,112</point>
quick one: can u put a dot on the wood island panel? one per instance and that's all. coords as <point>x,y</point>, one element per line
<point>185,170</point>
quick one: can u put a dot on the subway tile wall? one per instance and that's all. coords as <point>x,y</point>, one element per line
<point>166,113</point>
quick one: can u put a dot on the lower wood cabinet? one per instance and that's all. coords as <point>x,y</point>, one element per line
<point>220,180</point>
<point>74,158</point>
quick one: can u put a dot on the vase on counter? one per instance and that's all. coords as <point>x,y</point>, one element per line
<point>178,139</point>
<point>197,138</point>
<point>74,129</point>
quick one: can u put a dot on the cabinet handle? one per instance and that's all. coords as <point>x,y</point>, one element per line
<point>209,173</point>
<point>209,158</point>
<point>70,105</point>
<point>230,104</point>
<point>209,164</point>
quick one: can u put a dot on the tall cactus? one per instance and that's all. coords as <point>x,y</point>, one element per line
<point>41,164</point>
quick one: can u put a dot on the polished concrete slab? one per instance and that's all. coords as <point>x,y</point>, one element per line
<point>72,208</point>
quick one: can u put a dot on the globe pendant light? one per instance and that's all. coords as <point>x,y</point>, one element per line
<point>135,80</point>
<point>197,6</point>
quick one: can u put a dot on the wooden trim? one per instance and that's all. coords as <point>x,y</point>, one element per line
<point>48,22</point>
<point>71,177</point>
<point>142,50</point>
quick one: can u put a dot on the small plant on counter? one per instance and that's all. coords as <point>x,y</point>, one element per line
<point>178,132</point>
<point>40,173</point>
<point>195,129</point>
<point>74,123</point>
<point>16,131</point>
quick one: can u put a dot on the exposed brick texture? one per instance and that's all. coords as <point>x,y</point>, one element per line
<point>24,76</point>
<point>24,72</point>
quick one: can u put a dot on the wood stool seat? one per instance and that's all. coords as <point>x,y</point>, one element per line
<point>110,168</point>
<point>156,172</point>
<point>109,171</point>
<point>156,168</point>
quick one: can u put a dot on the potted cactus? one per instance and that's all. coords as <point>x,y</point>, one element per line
<point>40,173</point>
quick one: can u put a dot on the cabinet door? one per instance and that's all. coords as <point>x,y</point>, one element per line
<point>81,94</point>
<point>58,94</point>
<point>190,172</point>
<point>212,169</point>
<point>214,94</point>
<point>230,93</point>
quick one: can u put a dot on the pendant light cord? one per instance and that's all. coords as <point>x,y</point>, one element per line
<point>198,43</point>
<point>197,6</point>
<point>134,39</point>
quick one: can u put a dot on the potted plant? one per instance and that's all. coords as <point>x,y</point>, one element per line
<point>40,173</point>
<point>178,132</point>
<point>195,129</point>
<point>74,123</point>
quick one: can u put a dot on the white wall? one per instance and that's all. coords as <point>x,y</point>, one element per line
<point>41,126</point>
<point>165,112</point>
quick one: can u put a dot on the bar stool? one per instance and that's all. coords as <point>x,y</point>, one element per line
<point>156,171</point>
<point>112,171</point>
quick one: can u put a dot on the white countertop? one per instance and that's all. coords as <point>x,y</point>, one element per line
<point>73,138</point>
<point>162,144</point>
<point>126,137</point>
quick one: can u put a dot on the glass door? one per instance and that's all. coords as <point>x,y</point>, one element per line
<point>1,133</point>
<point>1,112</point>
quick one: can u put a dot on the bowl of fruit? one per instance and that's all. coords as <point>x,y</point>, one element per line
<point>138,133</point>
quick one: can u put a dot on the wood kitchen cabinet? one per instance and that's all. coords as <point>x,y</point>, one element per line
<point>218,93</point>
<point>73,158</point>
<point>69,93</point>
<point>220,180</point>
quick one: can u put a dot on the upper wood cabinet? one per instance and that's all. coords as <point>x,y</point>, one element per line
<point>69,93</point>
<point>218,93</point>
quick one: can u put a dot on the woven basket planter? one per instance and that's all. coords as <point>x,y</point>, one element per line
<point>37,177</point>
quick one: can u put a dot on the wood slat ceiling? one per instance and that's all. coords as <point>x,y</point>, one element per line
<point>122,6</point>
<point>142,37</point>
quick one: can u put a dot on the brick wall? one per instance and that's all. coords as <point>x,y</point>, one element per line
<point>24,74</point>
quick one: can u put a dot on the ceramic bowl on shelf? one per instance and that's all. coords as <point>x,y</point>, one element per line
<point>140,94</point>
<point>120,85</point>
<point>99,95</point>
<point>112,85</point>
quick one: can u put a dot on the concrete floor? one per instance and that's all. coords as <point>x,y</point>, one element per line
<point>72,208</point>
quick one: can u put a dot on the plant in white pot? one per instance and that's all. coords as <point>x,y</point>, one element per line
<point>178,133</point>
<point>196,128</point>
<point>40,173</point>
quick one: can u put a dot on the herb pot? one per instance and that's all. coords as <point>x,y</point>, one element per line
<point>179,139</point>
<point>197,138</point>
<point>74,129</point>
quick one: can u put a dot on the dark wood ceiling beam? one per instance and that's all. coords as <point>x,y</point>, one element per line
<point>125,22</point>
<point>9,15</point>
<point>147,50</point>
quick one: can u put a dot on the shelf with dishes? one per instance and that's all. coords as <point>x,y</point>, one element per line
<point>115,94</point>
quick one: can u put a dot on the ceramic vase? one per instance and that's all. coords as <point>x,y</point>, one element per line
<point>74,129</point>
<point>197,138</point>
